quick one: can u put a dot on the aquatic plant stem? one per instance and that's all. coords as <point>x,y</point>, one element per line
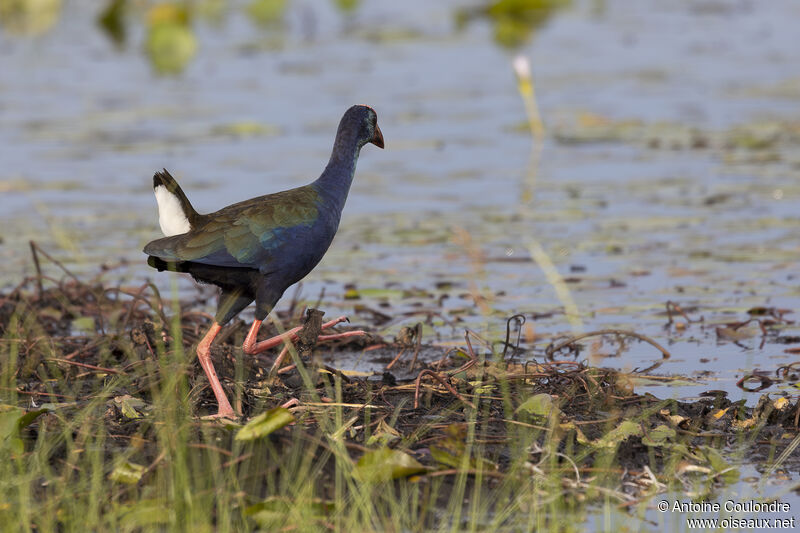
<point>554,278</point>
<point>527,91</point>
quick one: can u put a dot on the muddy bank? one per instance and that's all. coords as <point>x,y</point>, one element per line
<point>122,358</point>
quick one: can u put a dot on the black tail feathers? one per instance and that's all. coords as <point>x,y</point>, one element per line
<point>162,178</point>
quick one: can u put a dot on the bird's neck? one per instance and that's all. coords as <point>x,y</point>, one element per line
<point>334,183</point>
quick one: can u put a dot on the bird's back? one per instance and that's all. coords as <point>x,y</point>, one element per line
<point>256,233</point>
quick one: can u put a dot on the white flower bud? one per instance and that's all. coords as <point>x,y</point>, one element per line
<point>522,67</point>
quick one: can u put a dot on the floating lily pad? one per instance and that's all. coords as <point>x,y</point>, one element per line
<point>245,129</point>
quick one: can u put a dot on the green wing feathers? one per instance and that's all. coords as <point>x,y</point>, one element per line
<point>242,234</point>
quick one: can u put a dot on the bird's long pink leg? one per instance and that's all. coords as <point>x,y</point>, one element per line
<point>204,355</point>
<point>251,347</point>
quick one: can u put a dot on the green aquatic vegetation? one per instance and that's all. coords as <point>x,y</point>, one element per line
<point>347,6</point>
<point>170,43</point>
<point>112,20</point>
<point>244,129</point>
<point>788,89</point>
<point>26,185</point>
<point>29,17</point>
<point>354,293</point>
<point>513,21</point>
<point>267,12</point>
<point>757,136</point>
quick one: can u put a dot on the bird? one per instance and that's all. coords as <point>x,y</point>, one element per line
<point>256,249</point>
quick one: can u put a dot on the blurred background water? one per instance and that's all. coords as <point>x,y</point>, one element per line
<point>667,173</point>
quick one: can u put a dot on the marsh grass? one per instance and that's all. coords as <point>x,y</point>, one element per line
<point>100,432</point>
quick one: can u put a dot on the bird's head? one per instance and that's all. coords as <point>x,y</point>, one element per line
<point>364,121</point>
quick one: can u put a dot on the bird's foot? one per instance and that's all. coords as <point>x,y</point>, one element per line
<point>251,347</point>
<point>281,356</point>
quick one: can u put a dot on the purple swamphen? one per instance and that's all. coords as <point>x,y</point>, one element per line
<point>256,249</point>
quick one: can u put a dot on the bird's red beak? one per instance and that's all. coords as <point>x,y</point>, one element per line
<point>377,138</point>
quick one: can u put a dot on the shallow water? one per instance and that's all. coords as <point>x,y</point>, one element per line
<point>630,207</point>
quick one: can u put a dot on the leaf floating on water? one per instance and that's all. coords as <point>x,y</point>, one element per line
<point>347,6</point>
<point>266,12</point>
<point>167,12</point>
<point>26,17</point>
<point>15,185</point>
<point>112,21</point>
<point>730,334</point>
<point>756,136</point>
<point>351,294</point>
<point>637,381</point>
<point>170,41</point>
<point>265,423</point>
<point>513,21</point>
<point>128,473</point>
<point>244,129</point>
<point>384,464</point>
